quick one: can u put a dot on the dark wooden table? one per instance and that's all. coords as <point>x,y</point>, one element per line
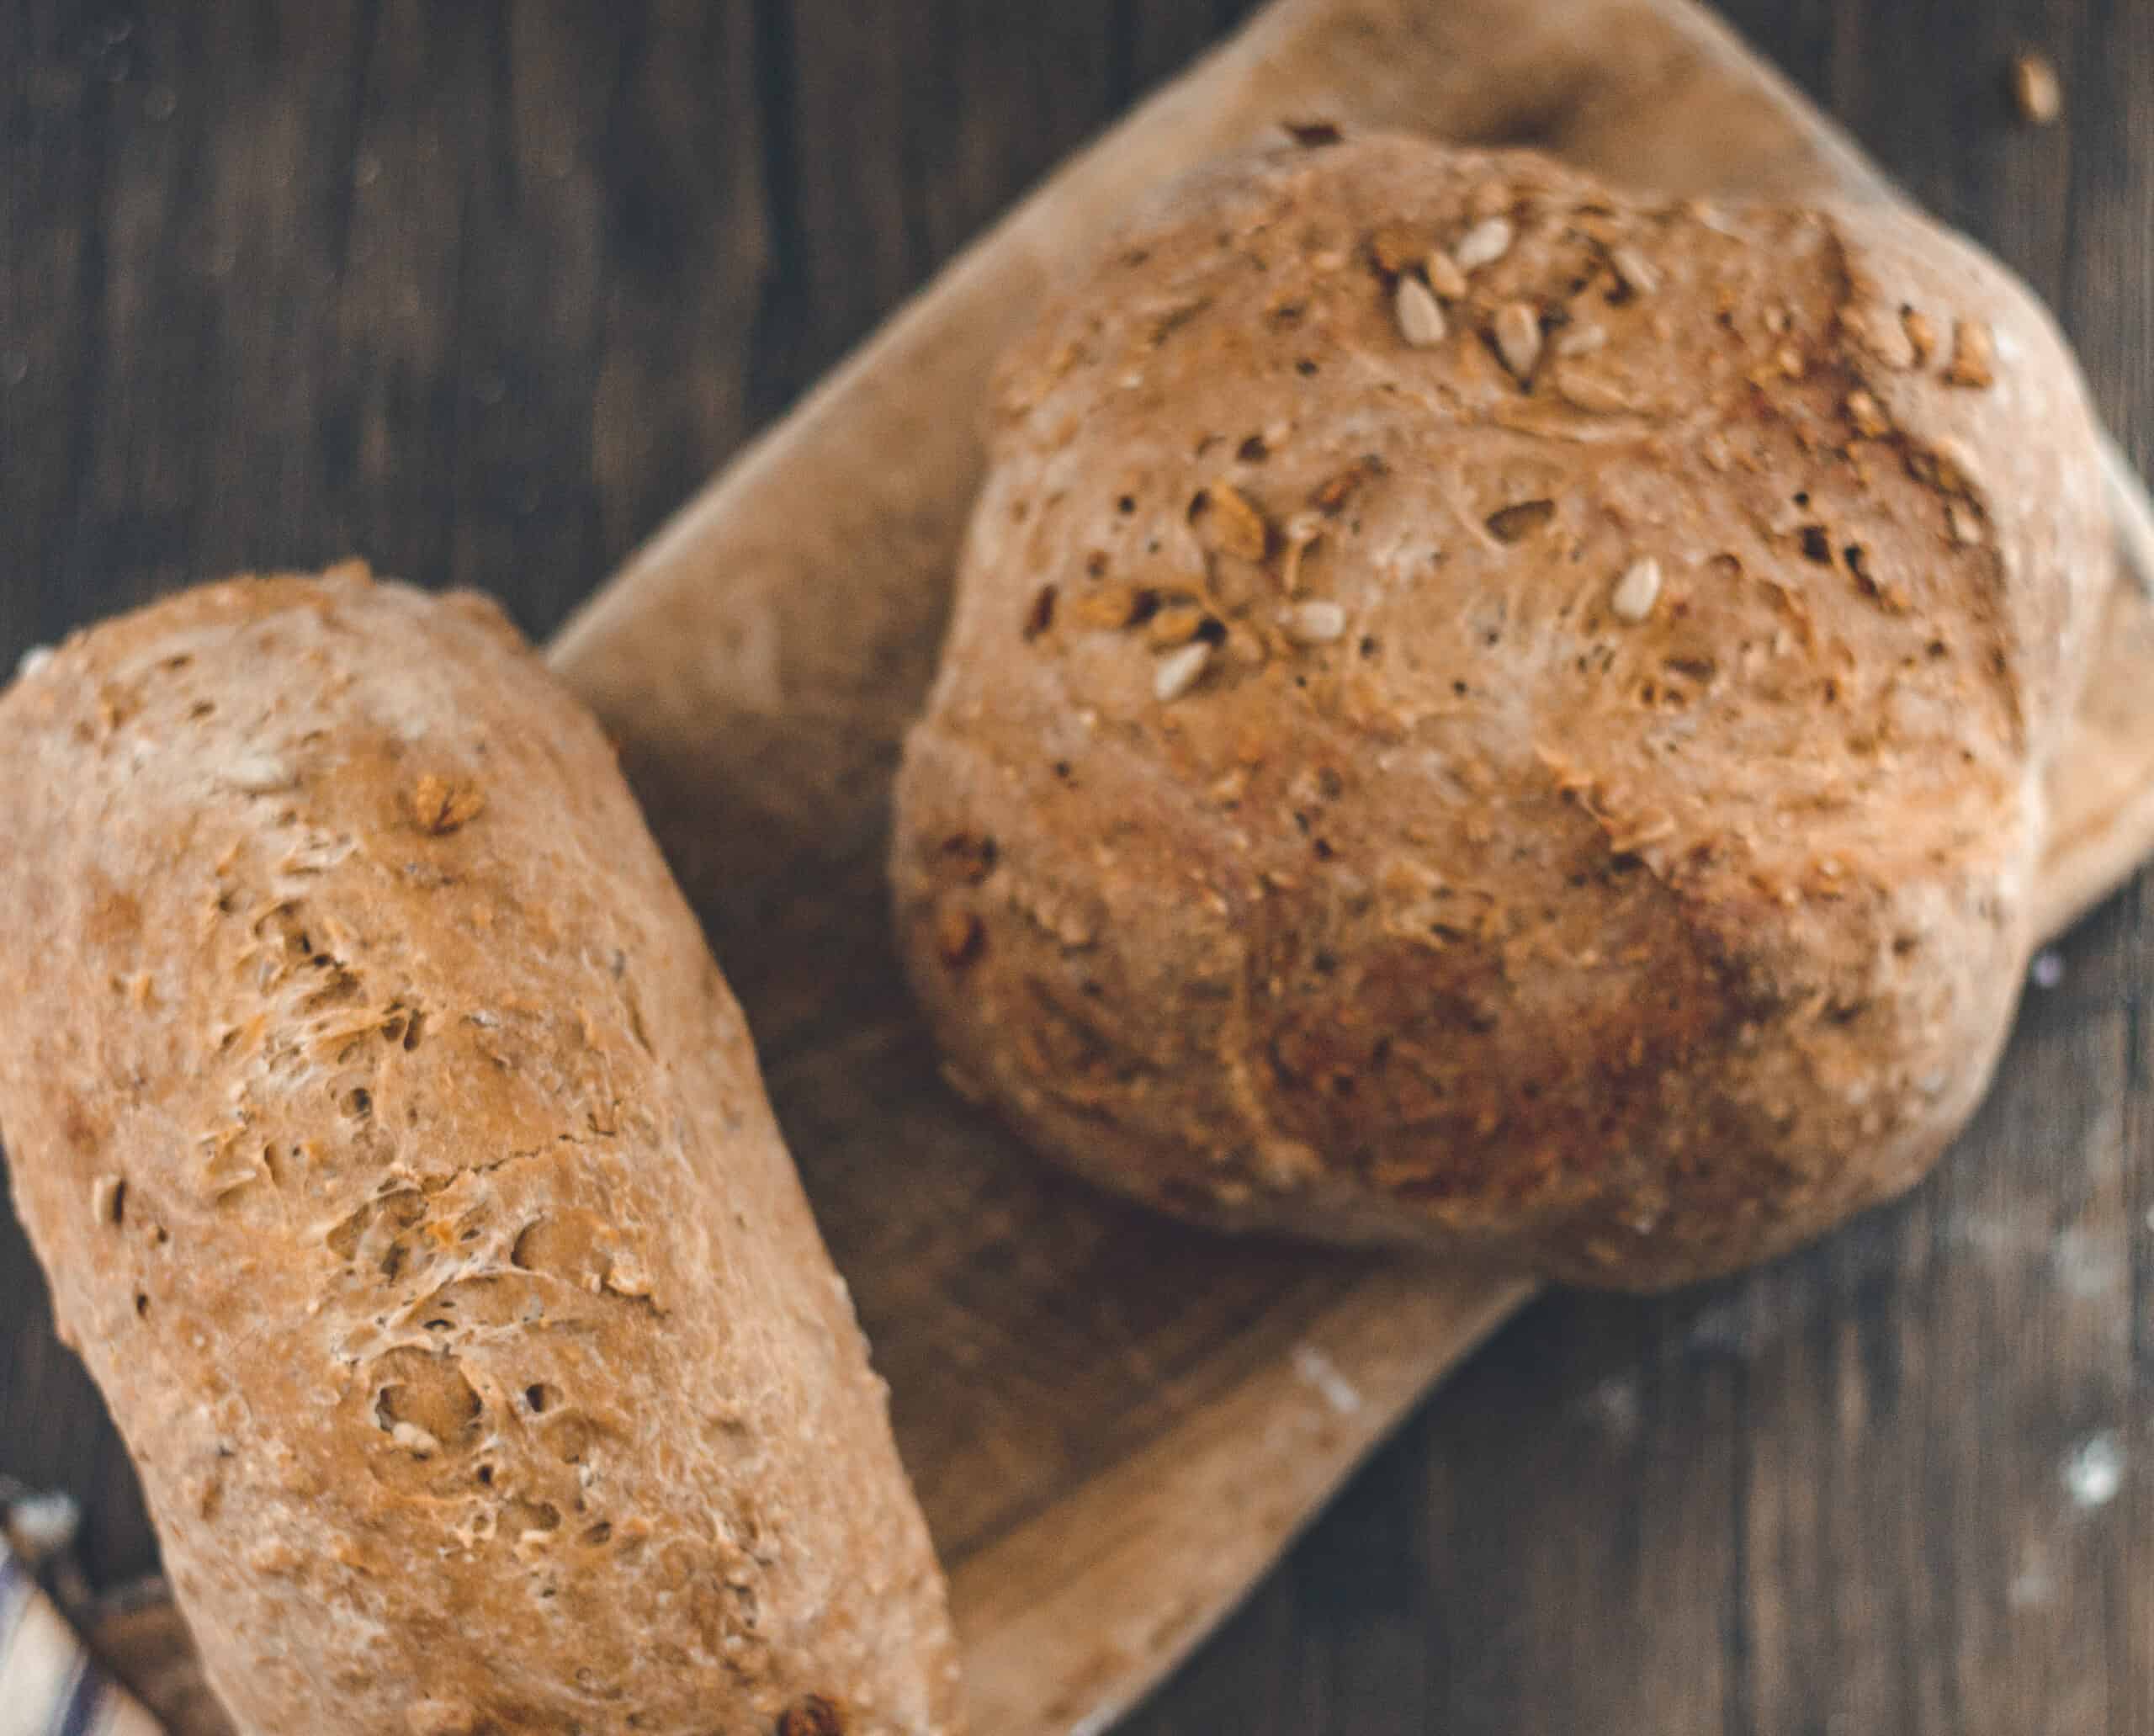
<point>483,291</point>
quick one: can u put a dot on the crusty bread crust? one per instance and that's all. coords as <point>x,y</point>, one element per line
<point>400,1164</point>
<point>1599,833</point>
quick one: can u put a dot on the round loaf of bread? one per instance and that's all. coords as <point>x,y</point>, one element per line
<point>1490,714</point>
<point>402,1170</point>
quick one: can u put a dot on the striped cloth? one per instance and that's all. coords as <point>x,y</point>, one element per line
<point>48,1685</point>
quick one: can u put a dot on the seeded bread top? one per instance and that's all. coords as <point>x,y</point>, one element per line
<point>1486,712</point>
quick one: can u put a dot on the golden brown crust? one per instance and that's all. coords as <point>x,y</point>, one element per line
<point>401,1165</point>
<point>1599,831</point>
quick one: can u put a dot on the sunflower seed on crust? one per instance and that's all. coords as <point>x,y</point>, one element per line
<point>1420,317</point>
<point>1638,274</point>
<point>1444,276</point>
<point>1313,623</point>
<point>1232,524</point>
<point>1974,355</point>
<point>1958,471</point>
<point>1176,623</point>
<point>1485,243</point>
<point>1179,671</point>
<point>1884,333</point>
<point>1867,415</point>
<point>1518,338</point>
<point>1922,335</point>
<point>1636,591</point>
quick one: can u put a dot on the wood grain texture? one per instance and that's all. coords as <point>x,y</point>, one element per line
<point>279,280</point>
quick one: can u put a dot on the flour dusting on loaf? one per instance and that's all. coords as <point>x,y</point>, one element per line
<point>402,1168</point>
<point>1488,713</point>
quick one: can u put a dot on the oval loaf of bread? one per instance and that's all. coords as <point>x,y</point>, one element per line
<point>1487,713</point>
<point>400,1164</point>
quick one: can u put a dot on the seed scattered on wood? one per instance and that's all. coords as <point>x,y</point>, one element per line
<point>1966,524</point>
<point>1484,244</point>
<point>1231,524</point>
<point>440,805</point>
<point>1867,415</point>
<point>2037,91</point>
<point>1316,622</point>
<point>1444,276</point>
<point>108,1199</point>
<point>1420,315</point>
<point>1179,671</point>
<point>1634,271</point>
<point>1974,355</point>
<point>1312,134</point>
<point>1922,335</point>
<point>1789,360</point>
<point>1636,591</point>
<point>1518,338</point>
<point>1581,340</point>
<point>1041,615</point>
<point>1778,319</point>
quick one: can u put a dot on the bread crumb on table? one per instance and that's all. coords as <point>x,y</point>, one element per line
<point>2037,91</point>
<point>38,1527</point>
